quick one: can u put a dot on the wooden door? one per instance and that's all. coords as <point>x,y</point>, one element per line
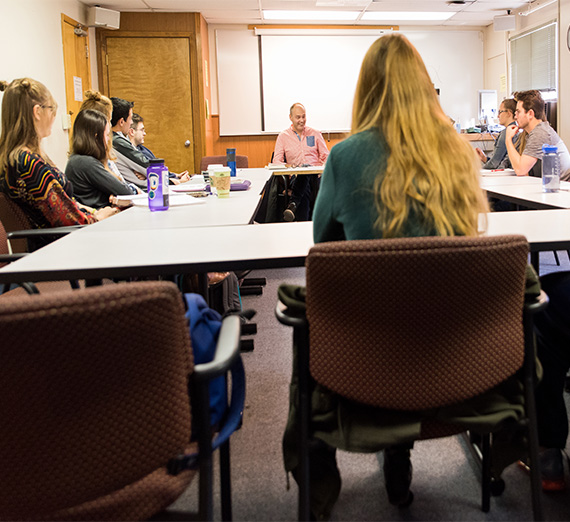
<point>154,73</point>
<point>76,63</point>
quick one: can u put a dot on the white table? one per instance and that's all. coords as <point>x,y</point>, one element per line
<point>296,171</point>
<point>525,191</point>
<point>238,209</point>
<point>509,181</point>
<point>91,253</point>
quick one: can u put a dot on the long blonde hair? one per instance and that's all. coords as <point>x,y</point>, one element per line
<point>431,171</point>
<point>18,129</point>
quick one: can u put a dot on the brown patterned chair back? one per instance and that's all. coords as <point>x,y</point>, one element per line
<point>3,242</point>
<point>242,162</point>
<point>14,218</point>
<point>94,399</point>
<point>416,323</point>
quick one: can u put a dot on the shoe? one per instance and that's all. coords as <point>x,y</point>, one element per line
<point>551,469</point>
<point>398,476</point>
<point>289,214</point>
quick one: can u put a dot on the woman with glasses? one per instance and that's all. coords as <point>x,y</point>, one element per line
<point>499,159</point>
<point>27,175</point>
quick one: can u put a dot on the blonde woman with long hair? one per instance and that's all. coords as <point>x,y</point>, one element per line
<point>404,171</point>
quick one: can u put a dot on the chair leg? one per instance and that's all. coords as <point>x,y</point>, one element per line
<point>529,378</point>
<point>535,481</point>
<point>226,481</point>
<point>300,338</point>
<point>486,473</point>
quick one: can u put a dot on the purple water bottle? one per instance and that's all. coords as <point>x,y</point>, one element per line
<point>231,161</point>
<point>157,183</point>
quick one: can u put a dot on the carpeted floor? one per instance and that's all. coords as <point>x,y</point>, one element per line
<point>445,483</point>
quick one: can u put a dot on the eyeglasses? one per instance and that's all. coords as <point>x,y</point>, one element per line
<point>53,108</point>
<point>501,111</point>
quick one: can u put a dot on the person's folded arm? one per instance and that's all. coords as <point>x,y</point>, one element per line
<point>499,153</point>
<point>521,163</point>
<point>108,184</point>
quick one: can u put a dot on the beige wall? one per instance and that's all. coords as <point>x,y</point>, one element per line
<point>31,43</point>
<point>497,57</point>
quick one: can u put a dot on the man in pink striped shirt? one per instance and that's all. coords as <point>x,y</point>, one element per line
<point>300,145</point>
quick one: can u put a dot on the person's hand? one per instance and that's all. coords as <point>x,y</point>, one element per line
<point>481,154</point>
<point>511,132</point>
<point>139,175</point>
<point>184,177</point>
<point>120,203</point>
<point>105,212</point>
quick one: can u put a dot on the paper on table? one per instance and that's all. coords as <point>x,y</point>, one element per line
<point>498,172</point>
<point>175,200</point>
<point>189,186</point>
<point>132,197</point>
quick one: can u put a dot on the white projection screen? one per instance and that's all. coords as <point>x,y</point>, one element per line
<point>321,72</point>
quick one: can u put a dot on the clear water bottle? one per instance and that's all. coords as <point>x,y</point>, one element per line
<point>157,184</point>
<point>231,161</point>
<point>550,169</point>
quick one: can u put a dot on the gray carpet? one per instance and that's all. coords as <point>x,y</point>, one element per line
<point>445,483</point>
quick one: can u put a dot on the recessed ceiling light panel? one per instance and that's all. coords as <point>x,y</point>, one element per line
<point>406,15</point>
<point>311,15</point>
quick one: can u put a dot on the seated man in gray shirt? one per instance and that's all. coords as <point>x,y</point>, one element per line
<point>530,117</point>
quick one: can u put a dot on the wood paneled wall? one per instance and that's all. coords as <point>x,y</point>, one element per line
<point>257,148</point>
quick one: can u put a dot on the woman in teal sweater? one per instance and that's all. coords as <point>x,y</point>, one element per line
<point>403,172</point>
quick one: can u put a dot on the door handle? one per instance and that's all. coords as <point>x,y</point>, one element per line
<point>187,143</point>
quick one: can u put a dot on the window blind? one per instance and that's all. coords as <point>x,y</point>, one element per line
<point>533,60</point>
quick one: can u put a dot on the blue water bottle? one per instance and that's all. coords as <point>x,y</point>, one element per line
<point>550,168</point>
<point>157,183</point>
<point>231,161</point>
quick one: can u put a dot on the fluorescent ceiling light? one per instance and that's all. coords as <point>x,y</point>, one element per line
<point>406,15</point>
<point>536,6</point>
<point>310,15</point>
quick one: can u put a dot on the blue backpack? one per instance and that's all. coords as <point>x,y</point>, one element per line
<point>205,325</point>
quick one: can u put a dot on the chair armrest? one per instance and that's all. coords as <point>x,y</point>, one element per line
<point>286,317</point>
<point>227,351</point>
<point>8,258</point>
<point>39,232</point>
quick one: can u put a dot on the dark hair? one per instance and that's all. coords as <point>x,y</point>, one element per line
<point>531,100</point>
<point>121,109</point>
<point>88,135</point>
<point>510,105</point>
<point>137,118</point>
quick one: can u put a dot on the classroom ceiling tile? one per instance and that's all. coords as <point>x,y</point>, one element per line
<point>202,5</point>
<point>119,5</point>
<point>466,12</point>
